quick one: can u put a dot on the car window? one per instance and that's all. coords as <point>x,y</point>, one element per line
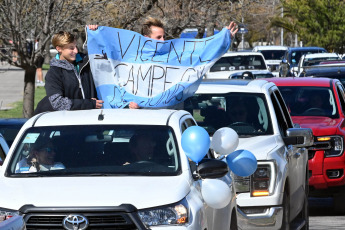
<point>273,54</point>
<point>96,150</point>
<point>2,155</point>
<point>284,109</point>
<point>282,122</point>
<point>341,94</point>
<point>239,62</point>
<point>309,101</point>
<point>10,132</point>
<point>246,113</point>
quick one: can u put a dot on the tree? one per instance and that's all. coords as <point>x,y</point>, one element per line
<point>317,22</point>
<point>24,21</point>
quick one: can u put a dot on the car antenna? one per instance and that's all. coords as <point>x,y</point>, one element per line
<point>101,116</point>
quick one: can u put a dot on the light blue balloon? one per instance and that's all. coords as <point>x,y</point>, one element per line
<point>242,162</point>
<point>195,143</point>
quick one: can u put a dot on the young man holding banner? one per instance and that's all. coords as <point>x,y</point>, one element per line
<point>69,84</point>
<point>147,71</point>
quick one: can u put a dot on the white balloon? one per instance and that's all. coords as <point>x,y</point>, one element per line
<point>216,193</point>
<point>224,141</point>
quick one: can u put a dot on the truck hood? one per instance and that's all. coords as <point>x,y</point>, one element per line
<point>320,125</point>
<point>260,146</point>
<point>140,191</point>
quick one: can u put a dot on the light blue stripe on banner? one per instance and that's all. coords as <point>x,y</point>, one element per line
<point>131,47</point>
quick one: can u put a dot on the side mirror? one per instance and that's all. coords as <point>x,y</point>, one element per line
<point>299,137</point>
<point>212,168</point>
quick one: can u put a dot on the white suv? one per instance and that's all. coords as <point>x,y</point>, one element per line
<point>275,196</point>
<point>97,182</point>
<point>234,62</point>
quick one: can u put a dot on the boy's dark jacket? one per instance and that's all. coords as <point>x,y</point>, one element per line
<point>62,86</point>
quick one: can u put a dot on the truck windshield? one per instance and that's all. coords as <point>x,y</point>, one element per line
<point>246,113</point>
<point>309,101</point>
<point>273,54</point>
<point>239,62</point>
<point>96,150</point>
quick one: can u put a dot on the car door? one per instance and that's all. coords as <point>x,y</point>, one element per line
<point>297,158</point>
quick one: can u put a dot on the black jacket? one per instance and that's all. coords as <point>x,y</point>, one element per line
<point>62,86</point>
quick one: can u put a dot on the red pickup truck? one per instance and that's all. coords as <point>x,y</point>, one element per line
<point>319,104</point>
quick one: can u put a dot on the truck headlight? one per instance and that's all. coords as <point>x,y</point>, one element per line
<point>6,214</point>
<point>261,183</point>
<point>332,145</point>
<point>168,215</point>
<point>262,180</point>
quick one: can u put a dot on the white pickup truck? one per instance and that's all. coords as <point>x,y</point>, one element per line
<point>275,196</point>
<point>112,169</point>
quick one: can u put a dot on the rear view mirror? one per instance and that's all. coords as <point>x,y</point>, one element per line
<point>299,137</point>
<point>212,168</point>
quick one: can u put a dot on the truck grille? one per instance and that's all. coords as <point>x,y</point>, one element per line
<point>96,221</point>
<point>99,218</point>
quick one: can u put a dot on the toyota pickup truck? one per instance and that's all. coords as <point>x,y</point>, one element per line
<point>275,196</point>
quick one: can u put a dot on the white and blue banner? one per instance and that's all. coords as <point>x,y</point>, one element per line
<point>127,66</point>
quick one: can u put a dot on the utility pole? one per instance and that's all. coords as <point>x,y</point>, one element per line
<point>282,30</point>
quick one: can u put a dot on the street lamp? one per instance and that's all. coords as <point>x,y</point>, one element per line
<point>242,30</point>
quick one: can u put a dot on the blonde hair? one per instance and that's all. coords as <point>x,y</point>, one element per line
<point>62,38</point>
<point>146,28</point>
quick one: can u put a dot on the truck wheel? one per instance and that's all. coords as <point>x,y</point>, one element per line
<point>305,213</point>
<point>233,223</point>
<point>286,212</point>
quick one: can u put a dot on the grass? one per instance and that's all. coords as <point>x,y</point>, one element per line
<point>17,111</point>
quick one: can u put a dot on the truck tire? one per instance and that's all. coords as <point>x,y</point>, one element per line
<point>305,213</point>
<point>286,212</point>
<point>233,223</point>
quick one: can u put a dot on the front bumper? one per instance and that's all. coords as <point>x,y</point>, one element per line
<point>270,219</point>
<point>318,167</point>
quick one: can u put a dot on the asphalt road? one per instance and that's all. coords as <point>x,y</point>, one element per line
<point>11,85</point>
<point>322,216</point>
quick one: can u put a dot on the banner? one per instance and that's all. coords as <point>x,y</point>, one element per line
<point>127,66</point>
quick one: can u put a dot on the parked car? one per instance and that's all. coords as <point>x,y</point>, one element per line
<point>319,104</point>
<point>273,56</point>
<point>101,179</point>
<point>253,74</point>
<point>9,127</point>
<point>233,62</point>
<point>308,60</point>
<point>3,149</point>
<point>275,196</point>
<point>292,56</point>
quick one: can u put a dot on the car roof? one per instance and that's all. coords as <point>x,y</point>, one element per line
<point>241,54</point>
<point>301,81</point>
<point>110,116</point>
<point>321,55</point>
<point>12,121</point>
<point>306,48</point>
<point>233,85</point>
<point>270,48</point>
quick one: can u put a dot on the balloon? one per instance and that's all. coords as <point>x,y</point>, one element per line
<point>195,143</point>
<point>242,162</point>
<point>224,141</point>
<point>216,193</point>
